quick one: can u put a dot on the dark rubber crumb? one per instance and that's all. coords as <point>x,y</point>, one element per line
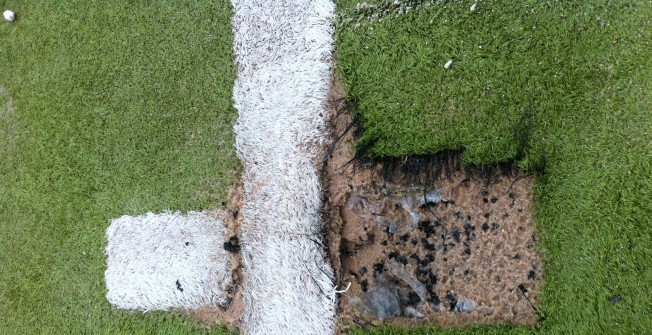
<point>232,245</point>
<point>452,300</point>
<point>414,298</point>
<point>365,285</point>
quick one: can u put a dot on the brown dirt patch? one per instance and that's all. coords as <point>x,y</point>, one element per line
<point>230,314</point>
<point>427,240</point>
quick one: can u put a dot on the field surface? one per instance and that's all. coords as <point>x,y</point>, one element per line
<point>562,90</point>
<point>106,108</point>
<point>110,108</point>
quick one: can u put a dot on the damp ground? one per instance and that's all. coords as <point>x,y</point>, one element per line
<point>427,240</point>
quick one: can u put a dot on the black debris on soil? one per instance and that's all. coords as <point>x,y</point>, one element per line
<point>232,245</point>
<point>452,300</point>
<point>413,298</point>
<point>379,268</point>
<point>425,231</point>
<point>364,284</point>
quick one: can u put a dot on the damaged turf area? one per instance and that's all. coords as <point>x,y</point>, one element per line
<point>426,240</point>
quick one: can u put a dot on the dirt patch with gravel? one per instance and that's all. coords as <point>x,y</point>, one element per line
<point>427,240</point>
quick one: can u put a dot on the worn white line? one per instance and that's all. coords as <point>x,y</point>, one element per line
<point>283,54</point>
<point>167,261</point>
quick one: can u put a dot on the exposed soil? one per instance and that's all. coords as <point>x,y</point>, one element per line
<point>427,240</point>
<point>231,313</point>
<point>424,240</point>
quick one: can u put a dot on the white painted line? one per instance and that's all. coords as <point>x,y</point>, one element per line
<point>283,54</point>
<point>165,261</point>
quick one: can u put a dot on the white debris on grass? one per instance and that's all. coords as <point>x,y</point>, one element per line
<point>9,15</point>
<point>166,261</point>
<point>448,64</point>
<point>283,55</point>
<point>377,11</point>
<point>474,6</point>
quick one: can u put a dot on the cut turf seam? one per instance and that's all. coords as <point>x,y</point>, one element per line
<point>283,54</point>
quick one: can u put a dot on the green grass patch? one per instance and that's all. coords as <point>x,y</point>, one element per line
<point>560,88</point>
<point>106,108</point>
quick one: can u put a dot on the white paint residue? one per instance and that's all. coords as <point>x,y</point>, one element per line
<point>168,260</point>
<point>283,52</point>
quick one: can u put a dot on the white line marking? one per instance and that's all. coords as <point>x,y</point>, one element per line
<point>283,52</point>
<point>165,261</point>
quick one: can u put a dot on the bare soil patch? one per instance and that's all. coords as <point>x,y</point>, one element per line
<point>427,240</point>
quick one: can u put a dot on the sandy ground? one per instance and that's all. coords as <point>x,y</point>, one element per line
<point>450,245</point>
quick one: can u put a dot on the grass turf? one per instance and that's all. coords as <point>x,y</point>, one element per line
<point>562,89</point>
<point>106,108</point>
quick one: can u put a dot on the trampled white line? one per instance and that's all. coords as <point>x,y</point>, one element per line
<point>168,260</point>
<point>283,54</point>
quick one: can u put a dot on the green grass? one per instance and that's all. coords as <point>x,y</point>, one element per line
<point>562,90</point>
<point>106,108</point>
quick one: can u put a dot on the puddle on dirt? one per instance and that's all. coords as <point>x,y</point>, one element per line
<point>428,241</point>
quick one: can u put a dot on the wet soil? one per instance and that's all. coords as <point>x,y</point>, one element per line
<point>426,239</point>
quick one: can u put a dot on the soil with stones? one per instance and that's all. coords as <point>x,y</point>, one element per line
<point>426,240</point>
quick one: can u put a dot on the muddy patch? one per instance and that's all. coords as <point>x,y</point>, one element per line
<point>427,240</point>
<point>229,314</point>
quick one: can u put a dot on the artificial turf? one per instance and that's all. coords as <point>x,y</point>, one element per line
<point>106,108</point>
<point>562,89</point>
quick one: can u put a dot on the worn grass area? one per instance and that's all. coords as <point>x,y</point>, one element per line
<point>106,108</point>
<point>564,90</point>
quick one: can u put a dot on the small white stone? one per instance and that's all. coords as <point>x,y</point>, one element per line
<point>9,15</point>
<point>474,6</point>
<point>465,305</point>
<point>448,64</point>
